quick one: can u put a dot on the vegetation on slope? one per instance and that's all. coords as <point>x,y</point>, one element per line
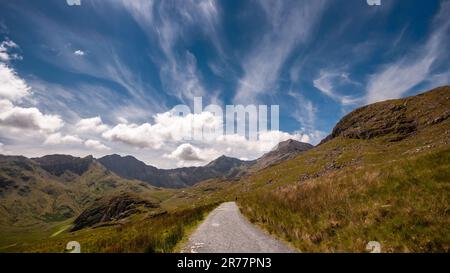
<point>378,182</point>
<point>404,207</point>
<point>147,232</point>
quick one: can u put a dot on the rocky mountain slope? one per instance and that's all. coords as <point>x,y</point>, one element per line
<point>382,175</point>
<point>47,191</point>
<point>283,151</point>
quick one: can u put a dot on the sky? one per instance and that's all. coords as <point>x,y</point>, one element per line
<point>103,77</point>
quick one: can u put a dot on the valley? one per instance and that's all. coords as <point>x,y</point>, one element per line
<point>383,174</point>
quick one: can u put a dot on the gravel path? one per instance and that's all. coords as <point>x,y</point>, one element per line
<point>226,230</point>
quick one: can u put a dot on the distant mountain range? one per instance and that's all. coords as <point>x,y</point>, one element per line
<point>54,188</point>
<point>128,167</point>
<point>131,168</point>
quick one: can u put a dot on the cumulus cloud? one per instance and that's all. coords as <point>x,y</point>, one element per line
<point>12,87</point>
<point>97,145</point>
<point>168,127</point>
<point>58,138</point>
<point>16,117</point>
<point>79,52</point>
<point>186,152</point>
<point>94,124</point>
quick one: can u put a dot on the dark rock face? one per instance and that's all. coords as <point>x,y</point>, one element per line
<point>131,168</point>
<point>224,164</point>
<point>373,121</point>
<point>115,208</point>
<point>14,174</point>
<point>59,164</point>
<point>5,182</point>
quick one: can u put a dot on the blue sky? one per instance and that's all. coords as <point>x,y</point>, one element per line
<point>102,77</point>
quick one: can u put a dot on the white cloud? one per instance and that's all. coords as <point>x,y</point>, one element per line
<point>397,78</point>
<point>15,117</point>
<point>188,155</point>
<point>58,138</point>
<point>171,130</point>
<point>94,124</point>
<point>1,147</point>
<point>168,127</point>
<point>97,145</point>
<point>5,56</point>
<point>79,52</point>
<point>12,87</point>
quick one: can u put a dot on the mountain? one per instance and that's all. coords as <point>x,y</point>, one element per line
<point>60,164</point>
<point>223,167</point>
<point>131,168</point>
<point>285,150</point>
<point>55,188</point>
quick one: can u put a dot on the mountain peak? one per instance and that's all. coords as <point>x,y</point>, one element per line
<point>224,163</point>
<point>58,164</point>
<point>284,150</point>
<point>291,144</point>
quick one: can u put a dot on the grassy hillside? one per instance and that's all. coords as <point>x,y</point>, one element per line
<point>41,208</point>
<point>140,233</point>
<point>375,179</point>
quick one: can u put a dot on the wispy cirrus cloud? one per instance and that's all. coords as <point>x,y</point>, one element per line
<point>305,114</point>
<point>169,22</point>
<point>106,62</point>
<point>395,79</point>
<point>290,23</point>
<point>326,82</point>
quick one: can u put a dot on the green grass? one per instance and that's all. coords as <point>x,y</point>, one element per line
<point>140,234</point>
<point>403,206</point>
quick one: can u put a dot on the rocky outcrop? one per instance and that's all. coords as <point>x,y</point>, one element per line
<point>283,151</point>
<point>395,120</point>
<point>377,120</point>
<point>111,209</point>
